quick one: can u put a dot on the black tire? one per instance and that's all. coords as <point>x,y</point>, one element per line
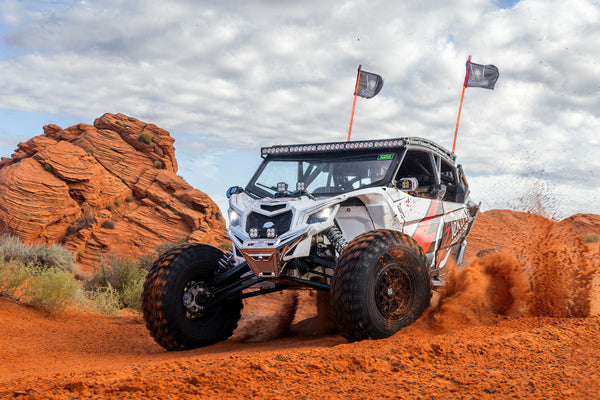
<point>381,284</point>
<point>173,325</point>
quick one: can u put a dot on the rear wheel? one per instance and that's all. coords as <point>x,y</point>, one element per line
<point>177,299</point>
<point>381,284</point>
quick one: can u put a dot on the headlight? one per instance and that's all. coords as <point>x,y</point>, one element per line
<point>320,216</point>
<point>234,218</point>
<point>253,232</point>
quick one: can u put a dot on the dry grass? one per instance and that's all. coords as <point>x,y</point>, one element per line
<point>49,289</point>
<point>57,256</point>
<point>117,284</point>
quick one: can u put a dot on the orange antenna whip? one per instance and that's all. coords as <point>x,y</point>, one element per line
<point>354,102</point>
<point>461,103</point>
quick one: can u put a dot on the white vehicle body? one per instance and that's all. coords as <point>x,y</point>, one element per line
<point>284,234</point>
<point>371,225</point>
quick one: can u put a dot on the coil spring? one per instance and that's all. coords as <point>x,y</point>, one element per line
<point>336,237</point>
<point>226,262</point>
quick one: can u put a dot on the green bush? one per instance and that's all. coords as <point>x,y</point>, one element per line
<point>131,296</point>
<point>12,248</point>
<point>145,138</point>
<point>118,202</point>
<point>53,289</point>
<point>111,207</point>
<point>80,223</point>
<point>127,273</point>
<point>104,300</point>
<point>48,167</point>
<point>591,237</point>
<point>145,261</point>
<point>12,277</point>
<point>108,224</point>
<point>122,276</point>
<point>47,288</point>
<point>159,164</point>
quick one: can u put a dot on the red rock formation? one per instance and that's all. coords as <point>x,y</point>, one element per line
<point>103,190</point>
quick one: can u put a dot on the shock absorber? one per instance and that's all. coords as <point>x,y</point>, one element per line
<point>336,237</point>
<point>226,262</point>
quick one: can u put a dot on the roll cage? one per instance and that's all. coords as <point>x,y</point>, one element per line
<point>431,166</point>
<point>323,174</point>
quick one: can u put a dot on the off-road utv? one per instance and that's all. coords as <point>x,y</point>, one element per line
<point>374,223</point>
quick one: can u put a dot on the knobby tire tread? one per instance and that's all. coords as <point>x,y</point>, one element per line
<point>156,300</point>
<point>351,317</point>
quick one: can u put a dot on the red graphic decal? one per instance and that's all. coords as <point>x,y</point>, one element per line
<point>447,239</point>
<point>426,231</point>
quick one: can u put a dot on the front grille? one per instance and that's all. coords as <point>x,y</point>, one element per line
<point>280,222</point>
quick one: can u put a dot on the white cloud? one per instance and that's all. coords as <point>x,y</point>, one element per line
<point>256,73</point>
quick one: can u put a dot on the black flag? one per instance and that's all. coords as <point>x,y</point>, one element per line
<point>369,85</point>
<point>483,76</point>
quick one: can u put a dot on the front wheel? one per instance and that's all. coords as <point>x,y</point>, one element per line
<point>381,284</point>
<point>176,300</point>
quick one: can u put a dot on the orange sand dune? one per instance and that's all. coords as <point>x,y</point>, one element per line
<point>519,321</point>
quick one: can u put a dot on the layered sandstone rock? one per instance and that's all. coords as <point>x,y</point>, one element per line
<point>103,190</point>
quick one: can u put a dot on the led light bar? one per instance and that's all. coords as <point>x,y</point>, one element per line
<point>328,147</point>
<point>359,145</point>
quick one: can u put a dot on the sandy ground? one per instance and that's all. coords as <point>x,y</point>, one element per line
<point>520,321</point>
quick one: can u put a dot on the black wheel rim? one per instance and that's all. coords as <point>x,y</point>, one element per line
<point>393,292</point>
<point>196,297</point>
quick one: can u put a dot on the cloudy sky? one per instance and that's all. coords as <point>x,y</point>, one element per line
<point>227,77</point>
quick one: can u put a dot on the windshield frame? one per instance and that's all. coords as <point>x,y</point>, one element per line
<point>398,154</point>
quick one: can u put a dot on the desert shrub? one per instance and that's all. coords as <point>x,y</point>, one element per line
<point>12,248</point>
<point>108,224</point>
<point>90,151</point>
<point>123,276</point>
<point>226,245</point>
<point>131,295</point>
<point>159,164</point>
<point>591,237</point>
<point>118,202</point>
<point>104,300</point>
<point>12,278</point>
<point>80,223</point>
<point>48,167</point>
<point>110,207</point>
<point>129,198</point>
<point>145,138</point>
<point>127,273</point>
<point>53,289</point>
<point>55,256</point>
<point>145,261</point>
<point>50,289</point>
<point>100,278</point>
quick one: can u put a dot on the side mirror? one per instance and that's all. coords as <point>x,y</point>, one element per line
<point>233,190</point>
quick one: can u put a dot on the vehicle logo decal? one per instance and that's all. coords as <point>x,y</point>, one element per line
<point>385,157</point>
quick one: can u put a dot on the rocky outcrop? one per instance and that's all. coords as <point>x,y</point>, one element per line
<point>105,189</point>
